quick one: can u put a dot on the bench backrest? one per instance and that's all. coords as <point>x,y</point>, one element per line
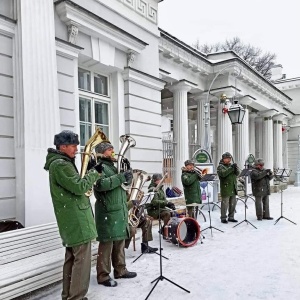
<point>21,243</point>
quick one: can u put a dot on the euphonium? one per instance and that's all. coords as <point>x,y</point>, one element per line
<point>136,193</point>
<point>96,138</point>
<point>123,164</point>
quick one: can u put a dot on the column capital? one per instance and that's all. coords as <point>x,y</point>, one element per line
<point>246,100</point>
<point>268,113</point>
<point>182,85</point>
<point>201,97</point>
<point>252,115</point>
<point>279,117</point>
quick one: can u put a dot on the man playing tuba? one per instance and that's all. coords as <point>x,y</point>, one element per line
<point>111,215</point>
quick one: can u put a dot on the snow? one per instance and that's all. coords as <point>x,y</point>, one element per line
<point>241,263</point>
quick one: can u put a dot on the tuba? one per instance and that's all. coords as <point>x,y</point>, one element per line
<point>123,163</point>
<point>96,138</point>
<point>136,193</point>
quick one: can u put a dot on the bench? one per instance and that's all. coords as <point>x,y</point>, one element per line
<point>31,258</point>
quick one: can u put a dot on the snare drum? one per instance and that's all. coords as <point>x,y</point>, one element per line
<point>182,231</point>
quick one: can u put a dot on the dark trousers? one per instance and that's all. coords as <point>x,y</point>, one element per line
<point>110,253</point>
<point>228,203</point>
<point>262,207</point>
<point>76,272</point>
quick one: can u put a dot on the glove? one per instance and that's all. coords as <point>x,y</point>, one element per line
<point>234,166</point>
<point>91,164</point>
<point>99,168</point>
<point>171,205</point>
<point>128,176</point>
<point>126,163</point>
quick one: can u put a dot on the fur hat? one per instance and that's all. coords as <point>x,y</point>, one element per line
<point>66,137</point>
<point>259,161</point>
<point>189,162</point>
<point>156,176</point>
<point>226,155</point>
<point>102,147</point>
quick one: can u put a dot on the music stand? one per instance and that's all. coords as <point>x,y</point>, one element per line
<point>161,277</point>
<point>282,175</point>
<point>245,173</point>
<point>209,178</point>
<point>146,199</point>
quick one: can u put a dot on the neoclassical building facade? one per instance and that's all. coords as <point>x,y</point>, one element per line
<point>80,64</point>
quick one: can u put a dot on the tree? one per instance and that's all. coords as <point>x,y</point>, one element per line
<point>261,62</point>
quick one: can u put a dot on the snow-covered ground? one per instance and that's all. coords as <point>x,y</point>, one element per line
<point>241,263</point>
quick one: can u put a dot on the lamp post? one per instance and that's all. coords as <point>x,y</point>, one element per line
<point>236,112</point>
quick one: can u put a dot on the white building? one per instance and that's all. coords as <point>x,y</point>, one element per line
<point>80,64</point>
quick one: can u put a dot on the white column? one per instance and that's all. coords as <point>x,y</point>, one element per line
<point>242,136</point>
<point>259,137</point>
<point>285,138</point>
<point>201,118</point>
<point>277,121</point>
<point>36,108</point>
<point>214,146</point>
<point>252,136</point>
<point>180,125</point>
<point>268,151</point>
<point>224,132</point>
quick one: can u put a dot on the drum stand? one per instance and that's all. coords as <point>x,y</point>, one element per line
<point>281,175</point>
<point>245,173</point>
<point>161,277</point>
<point>209,177</point>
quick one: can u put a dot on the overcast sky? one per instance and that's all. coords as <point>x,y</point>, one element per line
<point>272,25</point>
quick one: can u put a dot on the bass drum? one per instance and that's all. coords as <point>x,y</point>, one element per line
<point>182,231</point>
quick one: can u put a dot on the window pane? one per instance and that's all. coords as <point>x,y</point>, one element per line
<point>100,84</point>
<point>105,129</point>
<point>101,113</point>
<point>85,133</point>
<point>84,79</point>
<point>85,110</point>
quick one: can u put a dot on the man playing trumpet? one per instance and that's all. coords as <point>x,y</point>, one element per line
<point>190,180</point>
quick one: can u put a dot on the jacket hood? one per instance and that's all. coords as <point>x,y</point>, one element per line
<point>53,155</point>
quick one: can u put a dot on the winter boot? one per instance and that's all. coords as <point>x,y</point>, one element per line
<point>145,248</point>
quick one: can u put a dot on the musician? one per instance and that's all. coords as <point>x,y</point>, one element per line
<point>73,212</point>
<point>111,216</point>
<point>260,180</point>
<point>191,187</point>
<point>228,173</point>
<point>145,223</point>
<point>159,201</point>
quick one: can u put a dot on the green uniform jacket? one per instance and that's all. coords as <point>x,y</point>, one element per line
<point>159,201</point>
<point>260,182</point>
<point>228,179</point>
<point>191,186</point>
<point>72,207</point>
<point>111,212</point>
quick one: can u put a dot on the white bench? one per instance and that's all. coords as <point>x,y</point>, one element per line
<point>31,258</point>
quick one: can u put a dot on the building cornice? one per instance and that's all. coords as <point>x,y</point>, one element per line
<point>67,49</point>
<point>91,24</point>
<point>7,26</point>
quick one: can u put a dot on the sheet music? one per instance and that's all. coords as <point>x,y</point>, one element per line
<point>147,198</point>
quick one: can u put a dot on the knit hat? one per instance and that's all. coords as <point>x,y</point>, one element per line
<point>66,137</point>
<point>189,162</point>
<point>226,155</point>
<point>102,147</point>
<point>259,161</point>
<point>156,176</point>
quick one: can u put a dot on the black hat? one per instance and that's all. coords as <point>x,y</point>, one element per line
<point>189,162</point>
<point>66,137</point>
<point>226,155</point>
<point>102,147</point>
<point>259,161</point>
<point>156,176</point>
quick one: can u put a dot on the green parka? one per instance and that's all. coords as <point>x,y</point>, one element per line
<point>72,207</point>
<point>228,179</point>
<point>159,201</point>
<point>191,186</point>
<point>111,212</point>
<point>260,181</point>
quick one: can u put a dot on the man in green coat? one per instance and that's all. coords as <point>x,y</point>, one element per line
<point>191,187</point>
<point>228,173</point>
<point>159,206</point>
<point>73,212</point>
<point>111,215</point>
<point>260,180</point>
